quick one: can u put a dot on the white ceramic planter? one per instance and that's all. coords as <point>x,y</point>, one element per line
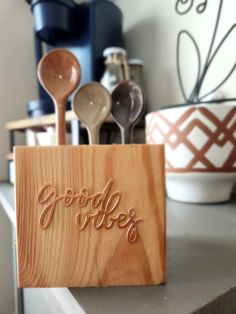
<point>200,187</point>
<point>200,145</point>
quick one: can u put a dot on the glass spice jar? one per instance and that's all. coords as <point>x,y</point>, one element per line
<point>116,69</point>
<point>136,75</point>
<point>136,71</point>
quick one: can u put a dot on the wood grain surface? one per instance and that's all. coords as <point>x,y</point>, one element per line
<point>90,215</point>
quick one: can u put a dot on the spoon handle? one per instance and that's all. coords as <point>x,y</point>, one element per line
<point>60,121</point>
<point>126,135</point>
<point>93,133</point>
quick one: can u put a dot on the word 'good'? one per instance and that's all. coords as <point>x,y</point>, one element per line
<point>99,209</point>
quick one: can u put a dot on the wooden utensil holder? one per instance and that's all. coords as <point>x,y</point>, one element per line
<point>90,215</point>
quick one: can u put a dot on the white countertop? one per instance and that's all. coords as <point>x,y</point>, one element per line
<point>201,267</point>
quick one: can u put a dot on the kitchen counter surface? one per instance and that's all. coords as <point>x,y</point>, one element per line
<point>201,267</point>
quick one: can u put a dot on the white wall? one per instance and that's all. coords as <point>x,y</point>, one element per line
<point>17,80</point>
<point>17,85</point>
<point>151,28</point>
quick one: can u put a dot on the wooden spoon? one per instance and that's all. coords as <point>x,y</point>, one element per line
<point>92,104</point>
<point>59,74</point>
<point>127,108</point>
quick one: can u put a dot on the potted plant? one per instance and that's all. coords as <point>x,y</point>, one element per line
<point>199,135</point>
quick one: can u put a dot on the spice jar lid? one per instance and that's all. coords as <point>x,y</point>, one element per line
<point>111,50</point>
<point>135,62</point>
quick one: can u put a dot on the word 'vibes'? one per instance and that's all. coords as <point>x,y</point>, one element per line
<point>102,213</point>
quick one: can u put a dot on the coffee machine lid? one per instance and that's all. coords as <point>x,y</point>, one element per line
<point>67,3</point>
<point>136,62</point>
<point>111,50</point>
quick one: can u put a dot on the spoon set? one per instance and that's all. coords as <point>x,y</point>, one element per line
<point>59,73</point>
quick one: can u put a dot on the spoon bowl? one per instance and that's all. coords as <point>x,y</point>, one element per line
<point>59,74</point>
<point>92,104</point>
<point>127,108</point>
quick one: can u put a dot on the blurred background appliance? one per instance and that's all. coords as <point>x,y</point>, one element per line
<point>85,29</point>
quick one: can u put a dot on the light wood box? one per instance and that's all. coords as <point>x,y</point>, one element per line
<point>70,235</point>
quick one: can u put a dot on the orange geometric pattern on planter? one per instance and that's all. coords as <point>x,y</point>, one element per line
<point>218,136</point>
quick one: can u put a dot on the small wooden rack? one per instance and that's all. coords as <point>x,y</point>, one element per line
<point>72,123</point>
<point>73,126</point>
<point>41,122</point>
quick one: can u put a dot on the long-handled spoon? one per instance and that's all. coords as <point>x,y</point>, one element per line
<point>59,74</point>
<point>127,108</point>
<point>92,104</point>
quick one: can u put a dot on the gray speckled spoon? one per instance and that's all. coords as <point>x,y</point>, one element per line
<point>127,108</point>
<point>92,104</point>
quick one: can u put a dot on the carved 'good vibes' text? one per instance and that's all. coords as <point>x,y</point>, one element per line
<point>99,209</point>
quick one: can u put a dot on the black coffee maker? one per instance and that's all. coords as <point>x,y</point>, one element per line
<point>85,29</point>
